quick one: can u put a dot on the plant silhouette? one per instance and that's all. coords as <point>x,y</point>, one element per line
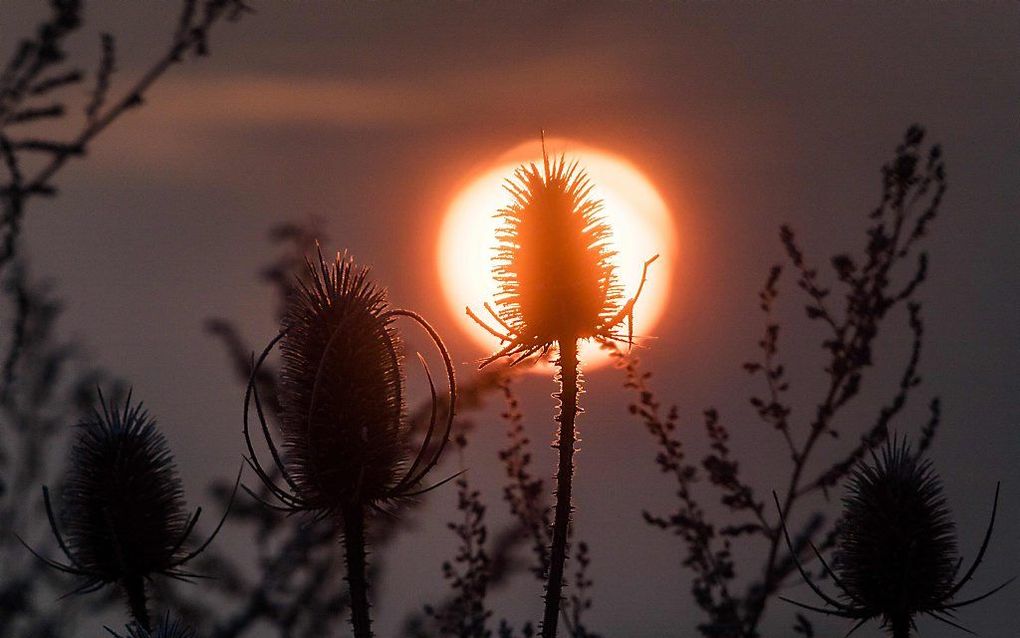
<point>343,413</point>
<point>872,285</point>
<point>123,508</point>
<point>896,554</point>
<point>348,451</point>
<point>557,286</point>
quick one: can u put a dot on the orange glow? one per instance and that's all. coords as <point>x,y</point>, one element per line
<point>640,221</point>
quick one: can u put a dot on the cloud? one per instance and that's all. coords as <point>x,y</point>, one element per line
<point>395,101</point>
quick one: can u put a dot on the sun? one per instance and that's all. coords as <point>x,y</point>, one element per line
<point>639,218</point>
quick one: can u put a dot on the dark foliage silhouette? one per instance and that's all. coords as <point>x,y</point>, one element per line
<point>45,383</point>
<point>873,285</point>
<point>34,87</point>
<point>896,555</point>
<point>473,570</point>
<point>55,386</point>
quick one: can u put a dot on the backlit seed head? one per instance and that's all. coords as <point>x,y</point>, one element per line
<point>553,265</point>
<point>123,502</point>
<point>341,389</point>
<point>896,548</point>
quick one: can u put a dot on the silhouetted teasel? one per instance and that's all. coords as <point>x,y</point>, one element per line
<point>165,628</point>
<point>896,552</point>
<point>346,439</point>
<point>558,285</point>
<point>122,507</point>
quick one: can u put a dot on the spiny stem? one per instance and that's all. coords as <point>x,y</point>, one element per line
<point>901,627</point>
<point>558,553</point>
<point>354,550</point>
<point>134,587</point>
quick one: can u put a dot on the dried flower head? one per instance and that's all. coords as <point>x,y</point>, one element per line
<point>554,264</point>
<point>123,510</point>
<point>345,436</point>
<point>896,555</point>
<point>123,503</point>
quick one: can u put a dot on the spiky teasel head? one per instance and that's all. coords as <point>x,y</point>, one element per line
<point>554,263</point>
<point>340,388</point>
<point>123,501</point>
<point>896,552</point>
<point>346,441</point>
<point>896,548</point>
<point>122,506</point>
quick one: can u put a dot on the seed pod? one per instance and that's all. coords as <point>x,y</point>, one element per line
<point>553,264</point>
<point>122,507</point>
<point>895,554</point>
<point>123,502</point>
<point>346,440</point>
<point>340,389</point>
<point>896,543</point>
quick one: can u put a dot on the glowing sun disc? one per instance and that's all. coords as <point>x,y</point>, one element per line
<point>640,221</point>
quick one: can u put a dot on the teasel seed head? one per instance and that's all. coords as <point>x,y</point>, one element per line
<point>896,543</point>
<point>346,440</point>
<point>554,264</point>
<point>123,502</point>
<point>122,505</point>
<point>340,388</point>
<point>896,552</point>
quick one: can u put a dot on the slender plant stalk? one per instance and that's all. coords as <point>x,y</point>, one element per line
<point>354,551</point>
<point>901,627</point>
<point>134,587</point>
<point>568,412</point>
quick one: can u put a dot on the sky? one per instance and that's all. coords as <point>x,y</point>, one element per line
<point>372,116</point>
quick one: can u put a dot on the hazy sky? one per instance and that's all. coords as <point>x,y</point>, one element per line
<point>371,116</point>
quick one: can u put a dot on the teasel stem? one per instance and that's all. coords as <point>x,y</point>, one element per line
<point>354,552</point>
<point>901,626</point>
<point>134,587</point>
<point>564,474</point>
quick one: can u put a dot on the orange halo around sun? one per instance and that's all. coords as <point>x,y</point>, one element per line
<point>640,221</point>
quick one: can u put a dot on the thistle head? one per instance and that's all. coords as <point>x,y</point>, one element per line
<point>341,389</point>
<point>123,509</point>
<point>553,262</point>
<point>895,554</point>
<point>896,545</point>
